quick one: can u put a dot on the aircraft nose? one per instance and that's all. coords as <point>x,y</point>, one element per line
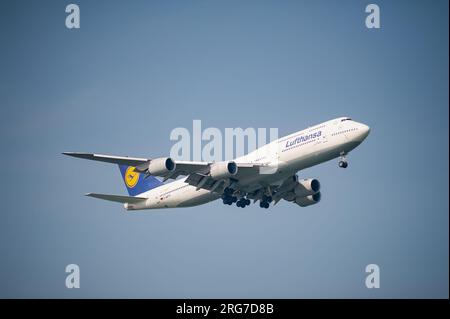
<point>365,130</point>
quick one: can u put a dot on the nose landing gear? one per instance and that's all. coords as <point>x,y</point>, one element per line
<point>343,164</point>
<point>342,161</point>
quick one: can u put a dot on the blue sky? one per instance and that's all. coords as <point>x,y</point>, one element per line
<point>134,71</point>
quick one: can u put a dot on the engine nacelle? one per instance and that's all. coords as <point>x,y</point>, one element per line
<point>161,166</point>
<point>308,200</point>
<point>307,187</point>
<point>223,170</point>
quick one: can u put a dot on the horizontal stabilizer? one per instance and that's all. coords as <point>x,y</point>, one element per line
<point>118,198</point>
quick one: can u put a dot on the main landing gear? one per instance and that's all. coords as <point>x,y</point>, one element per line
<point>228,197</point>
<point>243,202</point>
<point>264,202</point>
<point>342,161</point>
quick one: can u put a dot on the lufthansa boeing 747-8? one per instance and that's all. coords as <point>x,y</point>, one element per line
<point>267,175</point>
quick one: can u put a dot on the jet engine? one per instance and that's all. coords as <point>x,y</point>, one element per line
<point>306,187</point>
<point>223,170</point>
<point>304,192</point>
<point>161,166</point>
<point>308,200</point>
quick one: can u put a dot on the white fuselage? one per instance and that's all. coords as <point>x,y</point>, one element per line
<point>282,157</point>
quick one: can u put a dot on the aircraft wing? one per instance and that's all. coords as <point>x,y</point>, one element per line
<point>186,168</point>
<point>121,160</point>
<point>117,198</point>
<point>141,164</point>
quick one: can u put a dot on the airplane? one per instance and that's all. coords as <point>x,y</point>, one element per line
<point>242,179</point>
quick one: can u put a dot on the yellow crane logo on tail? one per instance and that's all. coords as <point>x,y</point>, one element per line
<point>131,177</point>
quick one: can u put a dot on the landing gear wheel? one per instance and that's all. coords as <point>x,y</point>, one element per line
<point>243,202</point>
<point>264,205</point>
<point>342,160</point>
<point>343,164</point>
<point>228,200</point>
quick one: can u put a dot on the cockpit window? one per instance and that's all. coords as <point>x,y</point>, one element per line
<point>346,119</point>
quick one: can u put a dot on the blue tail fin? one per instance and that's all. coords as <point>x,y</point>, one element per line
<point>136,183</point>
